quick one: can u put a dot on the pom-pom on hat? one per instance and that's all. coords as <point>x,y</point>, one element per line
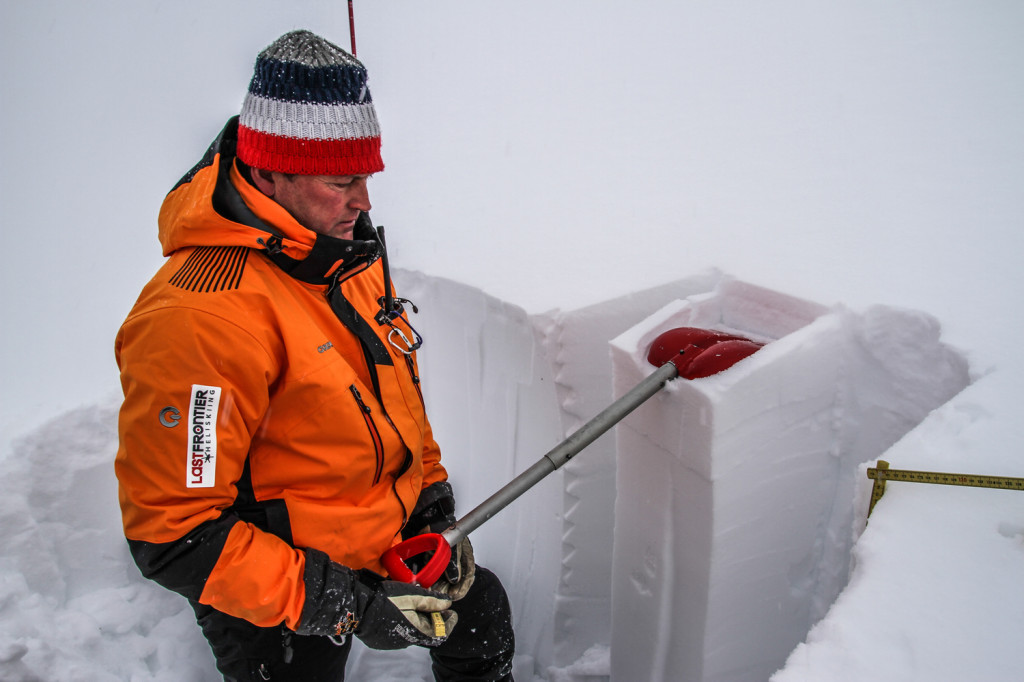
<point>308,111</point>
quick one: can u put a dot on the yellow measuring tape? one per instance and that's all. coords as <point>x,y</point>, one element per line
<point>882,473</point>
<point>439,629</point>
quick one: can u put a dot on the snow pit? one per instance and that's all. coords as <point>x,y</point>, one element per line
<point>734,515</point>
<point>699,542</point>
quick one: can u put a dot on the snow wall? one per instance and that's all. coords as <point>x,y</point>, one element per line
<point>734,517</point>
<point>705,552</point>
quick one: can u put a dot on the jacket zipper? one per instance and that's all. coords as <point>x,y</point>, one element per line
<point>394,487</point>
<point>371,425</point>
<point>415,378</point>
<point>378,446</point>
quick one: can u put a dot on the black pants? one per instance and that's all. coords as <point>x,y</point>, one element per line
<point>480,646</point>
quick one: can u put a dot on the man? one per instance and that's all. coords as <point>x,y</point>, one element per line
<point>273,438</point>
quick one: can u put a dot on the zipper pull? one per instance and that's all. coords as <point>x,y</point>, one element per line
<point>359,399</point>
<point>334,284</point>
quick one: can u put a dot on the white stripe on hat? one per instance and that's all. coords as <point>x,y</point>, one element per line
<point>309,121</point>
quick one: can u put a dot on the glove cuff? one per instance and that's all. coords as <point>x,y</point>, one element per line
<point>335,597</point>
<point>435,509</point>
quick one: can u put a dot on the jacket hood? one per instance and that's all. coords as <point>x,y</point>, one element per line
<point>214,205</point>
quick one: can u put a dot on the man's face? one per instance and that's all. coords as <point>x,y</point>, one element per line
<point>326,204</point>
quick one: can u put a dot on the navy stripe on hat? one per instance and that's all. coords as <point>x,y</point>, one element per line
<point>294,82</point>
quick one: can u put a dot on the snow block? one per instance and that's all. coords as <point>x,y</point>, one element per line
<point>733,520</point>
<point>576,343</point>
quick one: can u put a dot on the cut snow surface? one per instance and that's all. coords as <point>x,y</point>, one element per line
<point>935,593</point>
<point>734,515</point>
<point>577,347</point>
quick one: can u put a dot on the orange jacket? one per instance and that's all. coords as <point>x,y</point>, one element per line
<point>265,408</point>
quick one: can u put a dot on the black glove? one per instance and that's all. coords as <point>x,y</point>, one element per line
<point>435,513</point>
<point>383,614</point>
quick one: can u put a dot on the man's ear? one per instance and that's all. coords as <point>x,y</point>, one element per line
<point>264,180</point>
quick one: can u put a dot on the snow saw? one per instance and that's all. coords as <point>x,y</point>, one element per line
<point>687,352</point>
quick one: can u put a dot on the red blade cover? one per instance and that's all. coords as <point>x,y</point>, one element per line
<point>699,352</point>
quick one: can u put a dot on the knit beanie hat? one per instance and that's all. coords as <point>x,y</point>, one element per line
<point>308,111</point>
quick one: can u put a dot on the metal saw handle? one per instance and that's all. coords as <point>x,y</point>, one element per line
<point>687,352</point>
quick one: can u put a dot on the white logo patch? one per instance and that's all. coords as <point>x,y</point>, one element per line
<point>201,466</point>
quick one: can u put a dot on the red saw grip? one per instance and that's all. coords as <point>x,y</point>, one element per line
<point>395,559</point>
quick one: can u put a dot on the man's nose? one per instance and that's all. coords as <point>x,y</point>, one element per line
<point>360,195</point>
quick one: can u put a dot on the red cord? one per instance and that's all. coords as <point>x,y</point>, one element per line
<point>352,27</point>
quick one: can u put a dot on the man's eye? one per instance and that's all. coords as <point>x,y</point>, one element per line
<point>345,184</point>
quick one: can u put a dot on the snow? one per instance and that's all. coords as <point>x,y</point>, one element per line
<point>557,174</point>
<point>756,467</point>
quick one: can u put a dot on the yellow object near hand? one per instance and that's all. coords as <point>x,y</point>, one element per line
<point>439,628</point>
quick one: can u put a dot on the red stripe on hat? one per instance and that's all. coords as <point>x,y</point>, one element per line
<point>357,156</point>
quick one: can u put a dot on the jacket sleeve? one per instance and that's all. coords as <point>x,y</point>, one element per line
<point>433,470</point>
<point>196,390</point>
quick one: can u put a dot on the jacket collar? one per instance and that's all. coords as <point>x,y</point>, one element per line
<point>330,258</point>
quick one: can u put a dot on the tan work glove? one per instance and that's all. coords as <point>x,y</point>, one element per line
<point>461,572</point>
